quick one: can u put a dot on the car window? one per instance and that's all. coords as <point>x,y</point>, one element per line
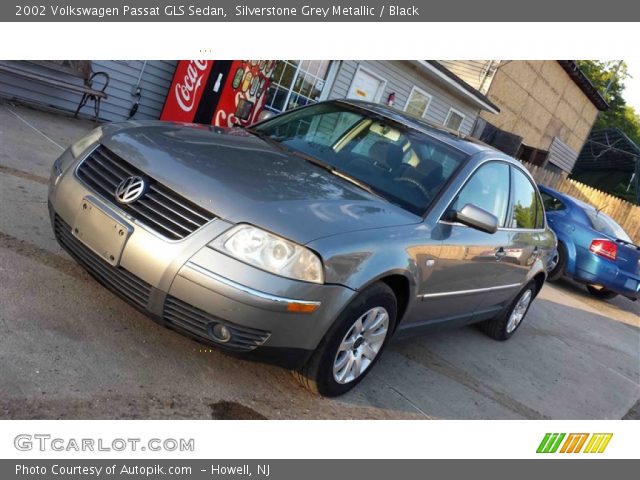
<point>605,224</point>
<point>403,165</point>
<point>551,203</point>
<point>539,213</point>
<point>524,202</point>
<point>322,129</point>
<point>378,144</point>
<point>488,188</point>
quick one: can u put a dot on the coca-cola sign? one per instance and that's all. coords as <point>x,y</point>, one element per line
<point>186,90</point>
<point>221,92</point>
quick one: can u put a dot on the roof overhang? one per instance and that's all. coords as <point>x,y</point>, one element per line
<point>444,76</point>
<point>581,80</point>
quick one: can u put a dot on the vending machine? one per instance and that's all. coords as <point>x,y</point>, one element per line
<point>224,93</point>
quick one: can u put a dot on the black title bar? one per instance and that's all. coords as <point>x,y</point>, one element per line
<point>320,11</point>
<point>314,469</point>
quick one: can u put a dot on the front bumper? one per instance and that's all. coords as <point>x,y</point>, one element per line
<point>190,287</point>
<point>594,270</point>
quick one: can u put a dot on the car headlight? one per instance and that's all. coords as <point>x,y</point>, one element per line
<point>270,252</point>
<point>79,147</point>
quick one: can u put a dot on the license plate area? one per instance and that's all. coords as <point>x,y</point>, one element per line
<point>101,230</point>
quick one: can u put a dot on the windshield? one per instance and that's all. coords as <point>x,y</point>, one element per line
<point>607,225</point>
<point>403,166</point>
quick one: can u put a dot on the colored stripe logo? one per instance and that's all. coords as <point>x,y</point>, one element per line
<point>574,443</point>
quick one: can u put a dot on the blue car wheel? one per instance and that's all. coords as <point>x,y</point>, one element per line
<point>560,261</point>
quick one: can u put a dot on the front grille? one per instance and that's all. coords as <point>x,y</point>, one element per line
<point>160,209</point>
<point>197,322</point>
<point>117,279</point>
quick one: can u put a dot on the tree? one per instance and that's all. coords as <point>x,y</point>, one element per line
<point>609,77</point>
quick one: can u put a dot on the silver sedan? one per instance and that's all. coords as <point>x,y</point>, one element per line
<point>309,239</point>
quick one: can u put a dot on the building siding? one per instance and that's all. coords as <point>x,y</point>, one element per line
<point>154,84</point>
<point>477,73</point>
<point>561,155</point>
<point>401,77</point>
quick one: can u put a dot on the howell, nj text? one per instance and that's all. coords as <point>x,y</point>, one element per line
<point>241,470</point>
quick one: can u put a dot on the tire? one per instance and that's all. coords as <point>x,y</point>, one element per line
<point>369,307</point>
<point>601,293</point>
<point>558,271</point>
<point>501,328</point>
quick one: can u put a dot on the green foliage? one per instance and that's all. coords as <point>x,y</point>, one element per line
<point>605,74</point>
<point>526,215</point>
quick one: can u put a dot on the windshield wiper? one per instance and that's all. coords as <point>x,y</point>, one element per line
<point>266,138</point>
<point>337,172</point>
<point>311,159</point>
<point>355,181</point>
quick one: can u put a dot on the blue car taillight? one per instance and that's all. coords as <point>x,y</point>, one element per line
<point>604,248</point>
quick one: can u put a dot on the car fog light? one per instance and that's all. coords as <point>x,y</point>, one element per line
<point>220,333</point>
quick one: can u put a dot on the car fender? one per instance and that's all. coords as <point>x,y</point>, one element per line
<point>357,266</point>
<point>570,246</point>
<point>359,259</point>
<point>537,267</point>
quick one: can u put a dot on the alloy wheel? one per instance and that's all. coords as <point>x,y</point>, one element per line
<point>519,311</point>
<point>361,345</point>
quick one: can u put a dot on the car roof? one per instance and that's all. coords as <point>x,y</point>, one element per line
<point>464,143</point>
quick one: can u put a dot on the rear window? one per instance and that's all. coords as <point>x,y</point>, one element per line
<point>551,203</point>
<point>525,207</point>
<point>606,225</point>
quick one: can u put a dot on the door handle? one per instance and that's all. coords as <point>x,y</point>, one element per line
<point>536,252</point>
<point>500,254</point>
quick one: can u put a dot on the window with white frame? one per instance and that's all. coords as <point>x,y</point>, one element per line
<point>295,83</point>
<point>454,119</point>
<point>418,102</point>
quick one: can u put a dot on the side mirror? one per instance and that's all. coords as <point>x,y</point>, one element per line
<point>476,217</point>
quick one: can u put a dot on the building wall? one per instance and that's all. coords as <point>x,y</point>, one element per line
<point>401,76</point>
<point>539,102</point>
<point>154,84</point>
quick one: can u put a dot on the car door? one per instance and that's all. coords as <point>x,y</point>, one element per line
<point>468,267</point>
<point>523,243</point>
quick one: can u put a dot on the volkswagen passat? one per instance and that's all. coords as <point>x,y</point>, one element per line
<point>309,239</point>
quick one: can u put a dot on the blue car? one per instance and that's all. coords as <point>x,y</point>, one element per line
<point>592,248</point>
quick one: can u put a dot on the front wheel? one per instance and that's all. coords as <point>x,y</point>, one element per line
<point>601,292</point>
<point>353,345</point>
<point>505,324</point>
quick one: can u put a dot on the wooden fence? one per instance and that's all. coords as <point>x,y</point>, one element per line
<point>623,212</point>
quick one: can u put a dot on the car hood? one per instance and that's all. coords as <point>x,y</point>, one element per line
<point>242,178</point>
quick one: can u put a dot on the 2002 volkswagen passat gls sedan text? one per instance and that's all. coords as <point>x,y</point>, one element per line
<point>310,238</point>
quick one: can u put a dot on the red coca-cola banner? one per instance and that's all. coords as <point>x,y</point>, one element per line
<point>186,89</point>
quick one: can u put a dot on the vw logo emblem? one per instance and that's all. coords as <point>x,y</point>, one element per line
<point>131,189</point>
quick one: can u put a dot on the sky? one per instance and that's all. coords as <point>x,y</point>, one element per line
<point>632,85</point>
